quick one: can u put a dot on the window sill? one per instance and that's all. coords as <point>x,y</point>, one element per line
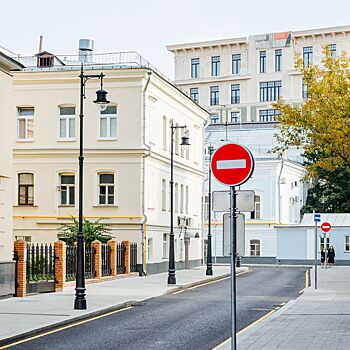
<point>106,206</point>
<point>107,139</point>
<point>66,206</point>
<point>66,140</point>
<point>24,140</point>
<point>25,206</point>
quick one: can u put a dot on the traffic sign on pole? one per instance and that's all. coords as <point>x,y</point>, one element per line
<point>317,217</point>
<point>232,164</point>
<point>326,226</point>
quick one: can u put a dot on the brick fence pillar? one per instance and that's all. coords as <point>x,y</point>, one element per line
<point>20,252</point>
<point>113,246</point>
<point>97,258</point>
<point>126,245</point>
<point>60,265</point>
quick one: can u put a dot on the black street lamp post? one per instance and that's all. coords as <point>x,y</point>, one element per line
<point>80,300</point>
<point>209,270</point>
<point>184,142</point>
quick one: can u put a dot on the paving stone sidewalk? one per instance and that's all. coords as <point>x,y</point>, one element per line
<point>318,319</point>
<point>22,315</point>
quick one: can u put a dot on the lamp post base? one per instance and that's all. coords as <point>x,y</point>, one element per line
<point>80,304</point>
<point>171,280</point>
<point>209,271</point>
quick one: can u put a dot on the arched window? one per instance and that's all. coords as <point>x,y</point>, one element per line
<point>25,189</point>
<point>163,194</point>
<point>254,247</point>
<point>67,189</point>
<point>106,189</point>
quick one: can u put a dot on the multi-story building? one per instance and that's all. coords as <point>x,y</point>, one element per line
<point>127,153</point>
<point>7,267</point>
<point>238,80</point>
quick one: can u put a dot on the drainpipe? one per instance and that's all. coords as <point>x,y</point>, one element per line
<point>279,192</point>
<point>148,147</point>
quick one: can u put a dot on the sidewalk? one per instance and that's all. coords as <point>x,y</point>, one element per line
<point>25,315</point>
<point>318,319</point>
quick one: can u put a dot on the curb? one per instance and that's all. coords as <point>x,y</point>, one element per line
<point>9,340</point>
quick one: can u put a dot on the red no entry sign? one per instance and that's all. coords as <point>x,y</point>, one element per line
<point>326,226</point>
<point>232,164</point>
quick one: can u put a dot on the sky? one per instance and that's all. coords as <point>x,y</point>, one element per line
<point>147,26</point>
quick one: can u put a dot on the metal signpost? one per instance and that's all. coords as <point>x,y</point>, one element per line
<point>325,227</point>
<point>232,165</point>
<point>317,218</point>
<point>240,235</point>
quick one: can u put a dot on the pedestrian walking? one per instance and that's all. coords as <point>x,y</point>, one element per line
<point>331,256</point>
<point>323,258</point>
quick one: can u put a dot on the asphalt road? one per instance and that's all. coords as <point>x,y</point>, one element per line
<point>197,318</point>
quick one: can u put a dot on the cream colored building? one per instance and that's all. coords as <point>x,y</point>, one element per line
<point>238,79</point>
<point>127,158</point>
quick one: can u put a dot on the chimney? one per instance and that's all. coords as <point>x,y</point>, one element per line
<point>86,47</point>
<point>41,43</point>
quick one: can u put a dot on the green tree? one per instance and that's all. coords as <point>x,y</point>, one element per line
<point>93,230</point>
<point>321,125</point>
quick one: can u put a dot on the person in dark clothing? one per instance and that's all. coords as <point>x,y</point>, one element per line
<point>323,257</point>
<point>331,256</point>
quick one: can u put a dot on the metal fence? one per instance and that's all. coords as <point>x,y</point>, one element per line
<point>121,268</point>
<point>90,262</point>
<point>106,259</point>
<point>40,262</point>
<point>133,257</point>
<point>71,263</point>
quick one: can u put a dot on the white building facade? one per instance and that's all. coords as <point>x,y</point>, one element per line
<point>127,155</point>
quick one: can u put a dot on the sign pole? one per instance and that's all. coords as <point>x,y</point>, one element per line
<point>315,252</point>
<point>233,266</point>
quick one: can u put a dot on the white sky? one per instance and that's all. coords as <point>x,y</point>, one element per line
<point>147,26</point>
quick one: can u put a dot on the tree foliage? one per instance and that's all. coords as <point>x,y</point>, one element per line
<point>93,230</point>
<point>321,125</point>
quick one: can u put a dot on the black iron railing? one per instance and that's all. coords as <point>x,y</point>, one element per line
<point>40,262</point>
<point>89,262</point>
<point>133,257</point>
<point>71,263</point>
<point>106,259</point>
<point>121,268</point>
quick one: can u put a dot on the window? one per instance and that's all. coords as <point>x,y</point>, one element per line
<point>324,241</point>
<point>214,95</point>
<point>194,94</point>
<point>67,189</point>
<point>333,50</point>
<point>270,91</point>
<point>164,194</point>
<point>181,199</point>
<point>304,91</point>
<point>25,123</point>
<point>176,201</point>
<point>195,68</point>
<point>106,189</point>
<point>165,133</point>
<point>254,247</point>
<point>236,63</point>
<point>278,60</point>
<point>150,248</point>
<point>215,66</point>
<point>165,246</point>
<point>186,200</point>
<point>262,61</point>
<point>235,117</point>
<point>108,123</point>
<point>45,61</point>
<point>67,123</point>
<point>256,214</point>
<point>268,115</point>
<point>347,244</point>
<point>25,189</point>
<point>307,56</point>
<point>235,93</point>
<point>214,118</point>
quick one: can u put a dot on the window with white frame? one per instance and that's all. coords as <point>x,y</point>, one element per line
<point>150,248</point>
<point>165,246</point>
<point>256,214</point>
<point>25,123</point>
<point>181,199</point>
<point>333,50</point>
<point>235,117</point>
<point>347,243</point>
<point>106,189</point>
<point>165,133</point>
<point>176,204</point>
<point>164,194</point>
<point>325,242</point>
<point>67,123</point>
<point>108,123</point>
<point>254,247</point>
<point>25,189</point>
<point>187,199</point>
<point>67,189</point>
